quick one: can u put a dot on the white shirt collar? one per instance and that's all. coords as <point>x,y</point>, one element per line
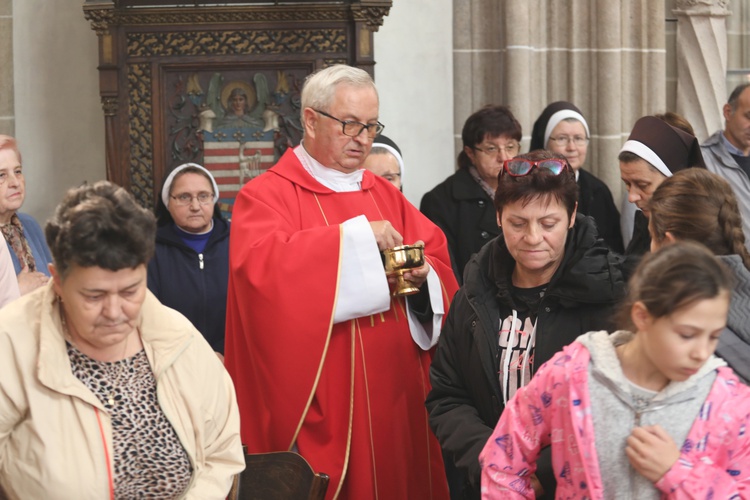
<point>333,179</point>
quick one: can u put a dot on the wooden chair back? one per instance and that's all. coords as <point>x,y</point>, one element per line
<point>282,475</point>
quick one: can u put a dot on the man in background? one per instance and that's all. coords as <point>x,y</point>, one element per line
<point>727,152</point>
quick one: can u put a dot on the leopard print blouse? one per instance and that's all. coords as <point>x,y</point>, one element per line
<point>149,460</point>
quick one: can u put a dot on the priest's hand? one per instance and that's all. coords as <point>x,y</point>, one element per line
<point>385,235</point>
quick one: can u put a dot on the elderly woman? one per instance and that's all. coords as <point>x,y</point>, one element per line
<point>561,128</point>
<point>81,413</point>
<point>462,204</point>
<point>190,267</point>
<point>23,235</point>
<point>547,279</point>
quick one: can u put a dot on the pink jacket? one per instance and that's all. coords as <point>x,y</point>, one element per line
<point>555,408</point>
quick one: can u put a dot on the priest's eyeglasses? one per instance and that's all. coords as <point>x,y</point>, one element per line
<point>518,167</point>
<point>353,128</point>
<point>184,199</point>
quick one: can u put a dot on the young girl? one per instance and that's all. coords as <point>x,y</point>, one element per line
<point>614,407</point>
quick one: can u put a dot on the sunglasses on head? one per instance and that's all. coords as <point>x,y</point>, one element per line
<point>518,167</point>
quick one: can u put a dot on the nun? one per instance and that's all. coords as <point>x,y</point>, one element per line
<point>562,129</point>
<point>653,152</point>
<point>386,161</point>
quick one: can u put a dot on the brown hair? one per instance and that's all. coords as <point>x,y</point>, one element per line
<point>677,121</point>
<point>698,205</point>
<point>674,277</point>
<point>100,225</point>
<point>539,183</point>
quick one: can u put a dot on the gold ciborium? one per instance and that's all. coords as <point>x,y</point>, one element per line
<point>397,261</point>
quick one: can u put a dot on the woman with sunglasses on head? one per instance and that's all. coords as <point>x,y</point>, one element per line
<point>189,271</point>
<point>547,279</point>
<point>647,412</point>
<point>698,205</point>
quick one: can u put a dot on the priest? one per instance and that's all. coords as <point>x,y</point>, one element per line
<point>325,361</point>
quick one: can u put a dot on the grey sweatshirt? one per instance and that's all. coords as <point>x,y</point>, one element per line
<point>618,406</point>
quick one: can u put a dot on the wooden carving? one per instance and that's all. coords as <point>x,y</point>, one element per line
<point>215,84</point>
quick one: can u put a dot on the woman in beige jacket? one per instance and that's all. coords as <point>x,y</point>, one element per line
<point>104,392</point>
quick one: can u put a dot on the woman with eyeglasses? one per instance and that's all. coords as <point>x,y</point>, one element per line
<point>189,271</point>
<point>561,128</point>
<point>462,204</point>
<point>544,281</point>
<point>22,234</point>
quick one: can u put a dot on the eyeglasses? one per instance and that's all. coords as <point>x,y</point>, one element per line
<point>518,167</point>
<point>352,128</point>
<point>203,198</point>
<point>564,140</point>
<point>511,149</point>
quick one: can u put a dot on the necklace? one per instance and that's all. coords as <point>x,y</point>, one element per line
<point>69,338</point>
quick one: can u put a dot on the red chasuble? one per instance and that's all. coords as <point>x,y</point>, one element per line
<point>350,395</point>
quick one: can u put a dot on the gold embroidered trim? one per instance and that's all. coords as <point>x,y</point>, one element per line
<point>369,411</point>
<point>351,420</point>
<point>325,219</point>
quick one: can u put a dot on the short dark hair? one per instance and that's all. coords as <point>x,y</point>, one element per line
<point>674,277</point>
<point>734,97</point>
<point>491,120</point>
<point>100,225</point>
<point>539,183</point>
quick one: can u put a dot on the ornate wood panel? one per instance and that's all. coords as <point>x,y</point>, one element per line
<point>215,84</point>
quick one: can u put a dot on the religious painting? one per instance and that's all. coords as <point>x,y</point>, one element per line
<point>236,123</point>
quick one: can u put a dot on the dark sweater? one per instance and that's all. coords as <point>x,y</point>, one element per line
<point>192,283</point>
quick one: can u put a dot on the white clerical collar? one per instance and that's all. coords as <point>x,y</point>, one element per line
<point>333,179</point>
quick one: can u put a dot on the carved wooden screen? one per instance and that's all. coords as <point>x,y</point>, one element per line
<point>215,85</point>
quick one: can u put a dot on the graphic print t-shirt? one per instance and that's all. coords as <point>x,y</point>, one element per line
<point>515,346</point>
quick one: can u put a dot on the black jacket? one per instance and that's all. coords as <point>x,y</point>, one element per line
<point>595,199</point>
<point>179,281</point>
<point>465,402</point>
<point>460,207</point>
<point>639,245</point>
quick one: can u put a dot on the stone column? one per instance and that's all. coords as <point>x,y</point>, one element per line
<point>478,59</point>
<point>7,109</point>
<point>702,63</point>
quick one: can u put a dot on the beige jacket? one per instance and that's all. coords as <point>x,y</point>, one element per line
<point>55,435</point>
<point>8,281</point>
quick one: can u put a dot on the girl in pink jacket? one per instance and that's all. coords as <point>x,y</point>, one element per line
<point>649,414</point>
